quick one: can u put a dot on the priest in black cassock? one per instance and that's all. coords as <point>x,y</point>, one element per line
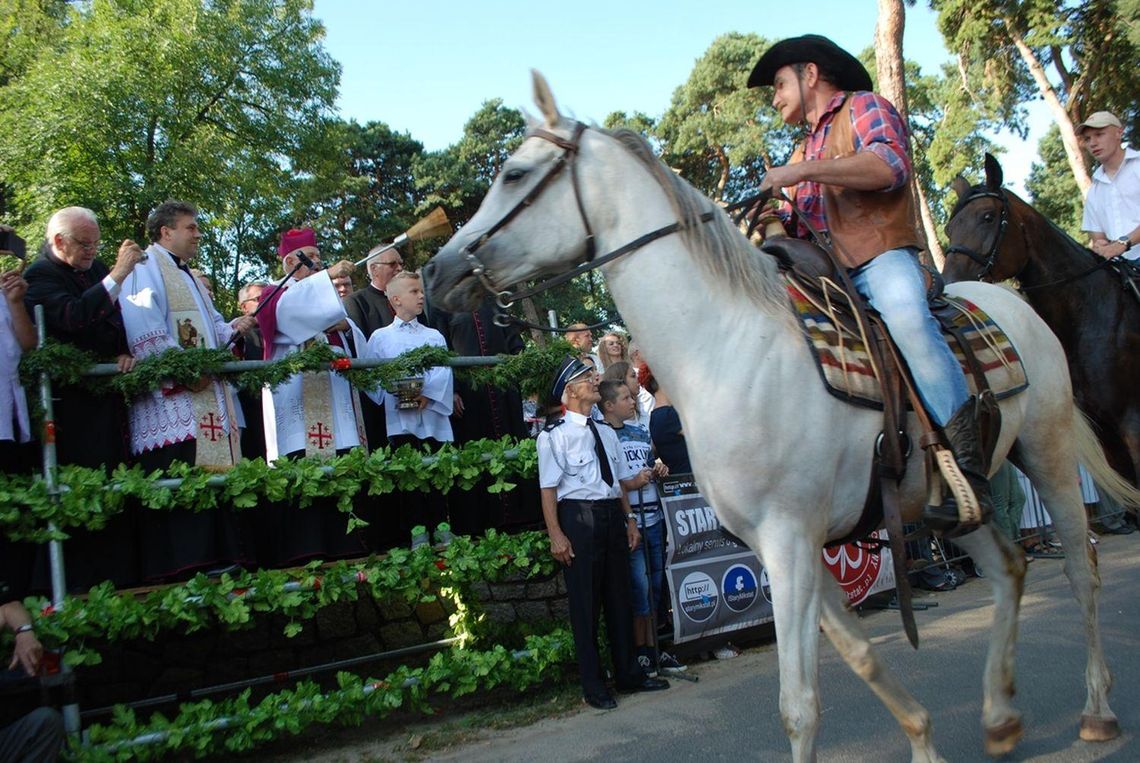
<point>369,309</point>
<point>486,412</point>
<point>80,297</point>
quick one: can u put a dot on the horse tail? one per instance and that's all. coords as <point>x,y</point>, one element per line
<point>1091,454</point>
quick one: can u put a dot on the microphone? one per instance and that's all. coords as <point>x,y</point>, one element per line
<point>304,260</point>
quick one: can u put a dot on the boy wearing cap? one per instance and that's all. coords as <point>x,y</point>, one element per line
<point>592,532</point>
<point>848,182</point>
<point>1112,207</point>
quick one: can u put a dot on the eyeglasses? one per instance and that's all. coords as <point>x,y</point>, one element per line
<point>90,246</point>
<point>396,263</point>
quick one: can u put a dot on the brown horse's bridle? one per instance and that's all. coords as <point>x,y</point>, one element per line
<point>505,298</point>
<point>989,260</point>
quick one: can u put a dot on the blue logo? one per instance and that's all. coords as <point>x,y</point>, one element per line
<point>739,587</point>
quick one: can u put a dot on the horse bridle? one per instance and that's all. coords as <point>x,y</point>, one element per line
<point>504,298</point>
<point>989,260</point>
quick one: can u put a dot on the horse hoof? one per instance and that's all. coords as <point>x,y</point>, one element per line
<point>1001,739</point>
<point>1099,729</point>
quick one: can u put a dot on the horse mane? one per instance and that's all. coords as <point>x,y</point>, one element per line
<point>718,246</point>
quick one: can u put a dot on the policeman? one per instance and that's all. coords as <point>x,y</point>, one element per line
<point>592,531</point>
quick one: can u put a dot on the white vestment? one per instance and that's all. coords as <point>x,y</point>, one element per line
<point>166,416</point>
<point>305,309</point>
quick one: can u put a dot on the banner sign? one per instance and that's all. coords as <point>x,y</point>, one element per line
<point>718,585</point>
<point>860,572</point>
<point>716,582</point>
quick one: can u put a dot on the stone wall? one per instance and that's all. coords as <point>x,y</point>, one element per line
<point>176,663</point>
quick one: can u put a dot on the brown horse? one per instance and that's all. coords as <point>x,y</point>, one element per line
<point>995,236</point>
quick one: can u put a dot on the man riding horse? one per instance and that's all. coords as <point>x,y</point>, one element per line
<point>848,184</point>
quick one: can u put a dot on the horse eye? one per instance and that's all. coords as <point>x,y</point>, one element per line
<point>513,175</point>
<point>988,217</point>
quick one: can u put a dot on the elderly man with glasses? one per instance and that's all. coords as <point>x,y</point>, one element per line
<point>370,309</point>
<point>80,296</point>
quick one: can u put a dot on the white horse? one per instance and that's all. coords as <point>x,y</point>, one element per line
<point>783,462</point>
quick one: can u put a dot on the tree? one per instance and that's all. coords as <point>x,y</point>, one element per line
<point>1052,189</point>
<point>1077,57</point>
<point>458,177</point>
<point>364,189</point>
<point>716,132</point>
<point>142,100</point>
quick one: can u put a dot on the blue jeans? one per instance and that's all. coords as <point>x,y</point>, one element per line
<point>654,539</point>
<point>893,285</point>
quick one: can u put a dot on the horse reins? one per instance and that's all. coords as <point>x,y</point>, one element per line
<point>990,260</point>
<point>505,298</point>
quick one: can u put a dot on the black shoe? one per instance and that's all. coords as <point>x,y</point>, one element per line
<point>600,701</point>
<point>646,684</point>
<point>1119,529</point>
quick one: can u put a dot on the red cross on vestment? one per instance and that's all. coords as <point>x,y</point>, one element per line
<point>212,429</point>
<point>319,434</point>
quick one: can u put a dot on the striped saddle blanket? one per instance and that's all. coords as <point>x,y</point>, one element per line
<point>845,365</point>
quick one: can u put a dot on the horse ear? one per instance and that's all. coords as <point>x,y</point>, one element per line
<point>960,186</point>
<point>544,99</point>
<point>993,173</point>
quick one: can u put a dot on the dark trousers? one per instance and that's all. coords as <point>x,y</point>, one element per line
<point>598,579</point>
<point>181,542</point>
<point>35,738</point>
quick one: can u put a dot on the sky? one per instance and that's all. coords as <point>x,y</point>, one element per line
<point>427,69</point>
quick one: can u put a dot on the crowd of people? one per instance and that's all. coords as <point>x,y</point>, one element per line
<point>150,301</point>
<point>612,431</point>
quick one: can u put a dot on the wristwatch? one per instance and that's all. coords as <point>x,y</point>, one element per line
<point>630,516</point>
<point>1126,241</point>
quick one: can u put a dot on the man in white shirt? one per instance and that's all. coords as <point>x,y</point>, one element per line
<point>1112,207</point>
<point>426,421</point>
<point>592,532</point>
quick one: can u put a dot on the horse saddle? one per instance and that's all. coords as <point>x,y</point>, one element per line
<point>840,346</point>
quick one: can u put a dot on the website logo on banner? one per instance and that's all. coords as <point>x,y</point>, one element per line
<point>739,586</point>
<point>855,568</point>
<point>699,597</point>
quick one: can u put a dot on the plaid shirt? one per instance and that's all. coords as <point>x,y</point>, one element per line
<point>876,127</point>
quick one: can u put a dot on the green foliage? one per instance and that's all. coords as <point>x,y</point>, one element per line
<point>136,102</point>
<point>458,177</point>
<point>1052,188</point>
<point>233,601</point>
<point>195,730</point>
<point>719,134</point>
<point>89,497</point>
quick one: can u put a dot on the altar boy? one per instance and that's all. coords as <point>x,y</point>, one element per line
<point>427,420</point>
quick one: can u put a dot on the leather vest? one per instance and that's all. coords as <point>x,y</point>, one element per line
<point>863,224</point>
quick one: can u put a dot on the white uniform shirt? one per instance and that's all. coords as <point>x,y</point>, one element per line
<point>567,460</point>
<point>439,385</point>
<point>1112,206</point>
<point>13,402</point>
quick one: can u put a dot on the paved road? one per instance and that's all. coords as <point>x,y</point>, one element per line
<point>731,714</point>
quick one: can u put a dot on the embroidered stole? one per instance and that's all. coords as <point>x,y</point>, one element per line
<point>218,440</point>
<point>316,400</point>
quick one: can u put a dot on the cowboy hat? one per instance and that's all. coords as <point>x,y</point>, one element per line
<point>844,69</point>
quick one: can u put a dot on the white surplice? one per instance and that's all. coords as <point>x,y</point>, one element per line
<point>165,416</point>
<point>306,308</point>
<point>389,342</point>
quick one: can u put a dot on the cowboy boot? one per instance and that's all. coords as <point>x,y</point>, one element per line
<point>963,436</point>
